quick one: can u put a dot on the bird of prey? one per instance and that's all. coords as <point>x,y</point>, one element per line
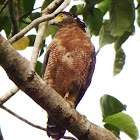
<point>68,64</point>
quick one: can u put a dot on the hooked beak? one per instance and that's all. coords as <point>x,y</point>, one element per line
<point>51,22</point>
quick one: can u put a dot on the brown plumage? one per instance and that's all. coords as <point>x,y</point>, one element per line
<point>68,64</point>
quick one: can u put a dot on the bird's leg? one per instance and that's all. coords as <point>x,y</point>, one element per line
<point>66,97</point>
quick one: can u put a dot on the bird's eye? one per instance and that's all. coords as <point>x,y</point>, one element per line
<point>61,16</point>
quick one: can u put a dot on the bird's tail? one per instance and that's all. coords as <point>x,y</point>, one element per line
<point>54,129</point>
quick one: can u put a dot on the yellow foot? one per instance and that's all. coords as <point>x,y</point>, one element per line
<point>69,101</point>
<point>66,95</point>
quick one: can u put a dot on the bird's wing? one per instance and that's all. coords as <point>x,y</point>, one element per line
<point>88,81</point>
<point>46,57</point>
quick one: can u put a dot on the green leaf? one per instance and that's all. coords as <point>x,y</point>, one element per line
<point>45,4</point>
<point>21,44</point>
<point>138,16</point>
<point>121,16</point>
<point>113,129</point>
<point>42,50</point>
<point>105,36</point>
<point>34,15</point>
<point>25,6</point>
<point>138,1</point>
<point>77,9</point>
<point>119,61</point>
<point>90,3</point>
<point>32,39</point>
<point>94,21</point>
<point>110,105</point>
<point>5,22</point>
<point>50,30</point>
<point>124,122</point>
<point>24,22</point>
<point>104,6</point>
<point>121,40</point>
<point>98,1</point>
<point>1,2</point>
<point>38,68</point>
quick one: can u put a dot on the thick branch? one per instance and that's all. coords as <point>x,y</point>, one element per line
<point>54,5</point>
<point>38,40</point>
<point>22,74</point>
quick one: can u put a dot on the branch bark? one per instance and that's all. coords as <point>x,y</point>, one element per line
<point>8,95</point>
<point>23,75</point>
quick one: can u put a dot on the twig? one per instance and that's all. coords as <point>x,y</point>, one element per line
<point>1,137</point>
<point>37,21</point>
<point>3,6</point>
<point>42,27</point>
<point>22,119</point>
<point>52,6</point>
<point>29,123</point>
<point>30,26</point>
<point>13,18</point>
<point>8,95</point>
<point>40,35</point>
<point>27,13</point>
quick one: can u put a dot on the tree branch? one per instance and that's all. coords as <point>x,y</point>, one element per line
<point>27,13</point>
<point>23,75</point>
<point>52,6</point>
<point>29,123</point>
<point>37,21</point>
<point>13,18</point>
<point>3,6</point>
<point>22,119</point>
<point>30,26</point>
<point>8,95</point>
<point>42,28</point>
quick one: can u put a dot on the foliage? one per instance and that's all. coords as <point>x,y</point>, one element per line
<point>115,120</point>
<point>116,29</point>
<point>21,44</point>
<point>113,30</point>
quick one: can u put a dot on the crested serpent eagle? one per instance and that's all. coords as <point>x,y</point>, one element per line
<point>68,64</point>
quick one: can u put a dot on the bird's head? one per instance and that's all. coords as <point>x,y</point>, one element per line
<point>64,18</point>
